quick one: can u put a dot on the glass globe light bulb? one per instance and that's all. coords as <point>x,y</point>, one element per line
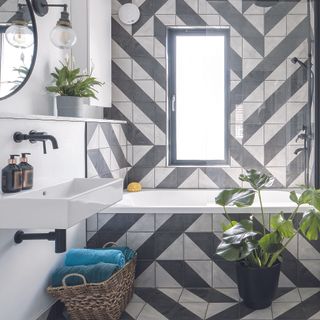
<point>19,36</point>
<point>63,37</point>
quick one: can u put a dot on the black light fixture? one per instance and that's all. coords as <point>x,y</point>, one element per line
<point>19,34</point>
<point>62,35</point>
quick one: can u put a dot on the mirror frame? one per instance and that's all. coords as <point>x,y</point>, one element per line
<point>35,51</point>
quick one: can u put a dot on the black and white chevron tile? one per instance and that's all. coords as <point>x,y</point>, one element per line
<point>268,98</point>
<point>220,304</point>
<point>213,304</point>
<point>107,150</point>
<point>178,274</point>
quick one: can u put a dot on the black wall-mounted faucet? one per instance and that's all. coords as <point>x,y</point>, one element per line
<point>34,137</point>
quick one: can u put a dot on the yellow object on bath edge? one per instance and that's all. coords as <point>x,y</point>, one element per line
<point>134,187</point>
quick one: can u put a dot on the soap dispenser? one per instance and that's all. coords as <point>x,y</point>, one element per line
<point>27,172</point>
<point>12,176</point>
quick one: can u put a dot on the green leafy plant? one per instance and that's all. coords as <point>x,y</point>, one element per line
<point>22,74</point>
<point>69,81</point>
<point>240,242</point>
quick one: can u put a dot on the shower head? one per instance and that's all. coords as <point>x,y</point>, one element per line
<point>266,3</point>
<point>295,60</point>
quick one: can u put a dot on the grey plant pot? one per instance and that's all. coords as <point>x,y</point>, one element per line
<point>77,107</point>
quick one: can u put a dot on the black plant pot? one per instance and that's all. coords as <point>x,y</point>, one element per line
<point>258,286</point>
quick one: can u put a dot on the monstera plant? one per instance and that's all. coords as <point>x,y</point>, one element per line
<point>258,253</point>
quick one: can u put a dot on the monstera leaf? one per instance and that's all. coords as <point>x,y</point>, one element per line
<point>238,242</point>
<point>271,242</point>
<point>256,179</point>
<point>283,226</point>
<point>236,197</point>
<point>312,197</point>
<point>226,227</point>
<point>309,196</point>
<point>232,252</point>
<point>294,197</point>
<point>310,224</point>
<point>237,234</point>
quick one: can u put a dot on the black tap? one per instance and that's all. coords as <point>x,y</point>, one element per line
<point>297,151</point>
<point>34,137</point>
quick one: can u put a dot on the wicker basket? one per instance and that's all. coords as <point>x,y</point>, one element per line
<point>98,301</point>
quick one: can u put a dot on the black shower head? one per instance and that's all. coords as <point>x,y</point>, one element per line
<point>266,3</point>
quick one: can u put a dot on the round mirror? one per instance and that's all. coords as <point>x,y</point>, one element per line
<point>18,45</point>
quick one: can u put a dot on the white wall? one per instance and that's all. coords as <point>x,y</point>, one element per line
<point>93,48</point>
<point>33,98</point>
<point>26,268</point>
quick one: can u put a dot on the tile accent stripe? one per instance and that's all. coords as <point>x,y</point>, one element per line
<point>138,53</point>
<point>277,100</point>
<point>269,63</point>
<point>138,97</point>
<point>240,24</point>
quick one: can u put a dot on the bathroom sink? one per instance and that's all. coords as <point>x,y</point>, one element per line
<point>60,206</point>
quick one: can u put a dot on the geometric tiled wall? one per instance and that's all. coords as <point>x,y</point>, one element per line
<point>107,154</point>
<point>180,277</point>
<point>178,250</point>
<point>268,93</point>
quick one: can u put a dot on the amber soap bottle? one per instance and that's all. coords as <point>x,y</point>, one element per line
<point>12,176</point>
<point>27,172</point>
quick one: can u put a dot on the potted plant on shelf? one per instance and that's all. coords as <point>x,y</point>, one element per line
<point>74,90</point>
<point>257,253</point>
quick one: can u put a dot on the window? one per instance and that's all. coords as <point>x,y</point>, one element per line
<point>198,96</point>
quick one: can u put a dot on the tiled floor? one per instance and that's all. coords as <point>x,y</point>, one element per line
<point>220,304</point>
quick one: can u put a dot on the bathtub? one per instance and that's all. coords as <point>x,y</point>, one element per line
<point>176,232</point>
<point>196,201</point>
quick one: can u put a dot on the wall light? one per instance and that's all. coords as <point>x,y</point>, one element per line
<point>62,35</point>
<point>129,13</point>
<point>19,34</point>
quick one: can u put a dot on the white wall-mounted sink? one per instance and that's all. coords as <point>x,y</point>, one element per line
<point>61,206</point>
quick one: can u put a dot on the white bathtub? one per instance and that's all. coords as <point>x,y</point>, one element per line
<point>195,201</point>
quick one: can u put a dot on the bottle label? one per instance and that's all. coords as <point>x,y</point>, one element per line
<point>17,180</point>
<point>27,179</point>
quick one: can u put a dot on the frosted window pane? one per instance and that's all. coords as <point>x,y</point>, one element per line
<point>200,97</point>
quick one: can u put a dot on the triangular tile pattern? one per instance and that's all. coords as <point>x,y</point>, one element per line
<point>161,304</point>
<point>188,256</point>
<point>268,37</point>
<point>263,82</point>
<point>178,275</point>
<point>106,150</point>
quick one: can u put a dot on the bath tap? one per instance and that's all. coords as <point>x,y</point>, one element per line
<point>297,151</point>
<point>34,137</point>
<point>302,136</point>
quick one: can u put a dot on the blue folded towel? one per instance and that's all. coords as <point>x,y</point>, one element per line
<point>127,252</point>
<point>77,257</point>
<point>93,274</point>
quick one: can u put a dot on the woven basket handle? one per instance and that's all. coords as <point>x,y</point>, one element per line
<point>109,244</point>
<point>73,275</point>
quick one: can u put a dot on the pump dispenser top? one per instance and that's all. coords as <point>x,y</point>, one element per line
<point>24,156</point>
<point>12,159</point>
